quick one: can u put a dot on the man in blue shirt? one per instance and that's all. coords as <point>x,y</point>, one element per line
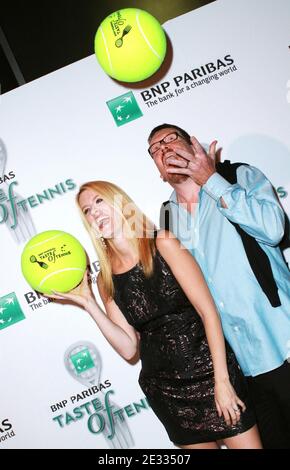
<point>233,230</point>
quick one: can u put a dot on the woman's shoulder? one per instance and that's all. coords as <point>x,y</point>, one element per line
<point>171,249</point>
<point>165,239</point>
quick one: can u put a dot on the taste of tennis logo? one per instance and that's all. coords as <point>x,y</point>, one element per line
<point>50,255</point>
<point>10,311</point>
<point>124,108</point>
<point>14,208</point>
<point>104,416</point>
<point>116,21</point>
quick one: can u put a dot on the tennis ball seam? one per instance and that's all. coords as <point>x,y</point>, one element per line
<point>48,240</point>
<point>107,50</point>
<point>144,36</point>
<point>57,272</point>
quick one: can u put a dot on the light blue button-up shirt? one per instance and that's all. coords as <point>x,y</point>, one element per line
<point>258,333</point>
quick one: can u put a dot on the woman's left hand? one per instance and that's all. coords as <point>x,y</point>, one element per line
<point>82,294</point>
<point>228,403</point>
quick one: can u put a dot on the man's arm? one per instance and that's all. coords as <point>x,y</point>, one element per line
<point>251,202</point>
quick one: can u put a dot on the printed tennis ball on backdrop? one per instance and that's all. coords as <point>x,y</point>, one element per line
<point>53,261</point>
<point>130,45</point>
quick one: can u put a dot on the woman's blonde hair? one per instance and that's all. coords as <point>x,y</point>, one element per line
<point>137,228</point>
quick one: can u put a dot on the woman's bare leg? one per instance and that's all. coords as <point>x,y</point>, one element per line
<point>247,440</point>
<point>203,445</point>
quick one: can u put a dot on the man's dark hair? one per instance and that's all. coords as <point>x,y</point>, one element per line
<point>180,131</point>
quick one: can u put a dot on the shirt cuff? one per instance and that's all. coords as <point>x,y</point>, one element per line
<point>216,186</point>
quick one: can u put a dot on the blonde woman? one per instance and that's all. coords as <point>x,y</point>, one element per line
<point>157,303</point>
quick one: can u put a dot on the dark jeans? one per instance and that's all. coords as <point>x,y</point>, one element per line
<point>270,393</point>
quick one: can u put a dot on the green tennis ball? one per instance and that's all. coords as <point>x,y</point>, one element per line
<point>53,261</point>
<point>130,45</point>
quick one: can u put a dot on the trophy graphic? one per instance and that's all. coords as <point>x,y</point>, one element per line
<point>24,228</point>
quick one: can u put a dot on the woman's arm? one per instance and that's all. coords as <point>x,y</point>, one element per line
<point>124,338</point>
<point>113,325</point>
<point>190,278</point>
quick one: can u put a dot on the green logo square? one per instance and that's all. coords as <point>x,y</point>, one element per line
<point>82,361</point>
<point>10,311</point>
<point>124,108</point>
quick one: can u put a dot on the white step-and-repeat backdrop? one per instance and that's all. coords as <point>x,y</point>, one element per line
<point>228,80</point>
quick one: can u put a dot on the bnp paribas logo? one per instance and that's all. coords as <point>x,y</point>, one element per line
<point>82,361</point>
<point>124,108</point>
<point>10,311</point>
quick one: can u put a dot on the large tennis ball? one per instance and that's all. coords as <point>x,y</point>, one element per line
<point>53,260</point>
<point>130,45</point>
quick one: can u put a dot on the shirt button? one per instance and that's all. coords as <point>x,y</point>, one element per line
<point>210,280</point>
<point>236,328</point>
<point>222,304</point>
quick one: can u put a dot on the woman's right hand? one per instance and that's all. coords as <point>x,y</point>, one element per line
<point>227,402</point>
<point>81,295</point>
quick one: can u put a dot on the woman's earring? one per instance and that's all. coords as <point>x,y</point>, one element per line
<point>100,237</point>
<point>103,242</point>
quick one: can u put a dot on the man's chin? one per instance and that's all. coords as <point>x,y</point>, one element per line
<point>175,178</point>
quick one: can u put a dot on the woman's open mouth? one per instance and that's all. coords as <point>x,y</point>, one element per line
<point>102,222</point>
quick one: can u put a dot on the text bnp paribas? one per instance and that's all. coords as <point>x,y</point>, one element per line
<point>199,75</point>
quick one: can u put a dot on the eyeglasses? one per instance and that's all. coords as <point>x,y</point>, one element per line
<point>166,140</point>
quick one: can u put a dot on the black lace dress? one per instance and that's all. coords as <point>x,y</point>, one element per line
<point>177,371</point>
